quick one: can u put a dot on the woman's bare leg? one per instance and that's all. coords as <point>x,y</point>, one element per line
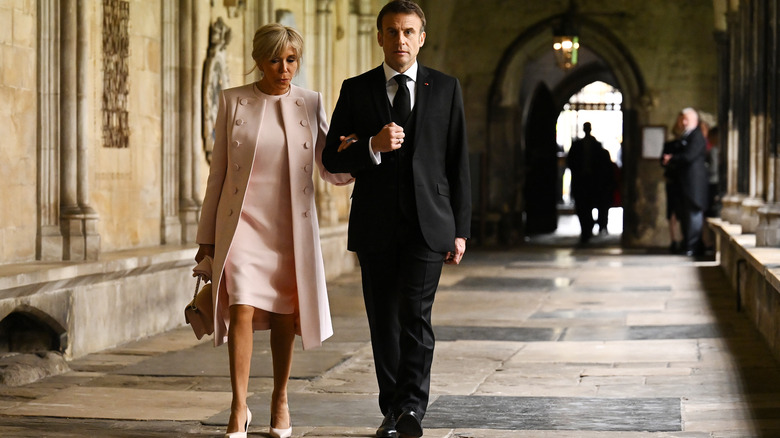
<point>240,352</point>
<point>282,342</point>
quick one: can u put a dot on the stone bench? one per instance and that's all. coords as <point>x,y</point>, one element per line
<point>83,307</point>
<point>754,274</point>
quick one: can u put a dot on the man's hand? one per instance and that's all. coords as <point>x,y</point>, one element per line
<point>390,138</point>
<point>454,257</point>
<point>666,159</point>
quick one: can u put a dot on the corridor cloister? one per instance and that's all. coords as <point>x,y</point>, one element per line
<point>107,111</point>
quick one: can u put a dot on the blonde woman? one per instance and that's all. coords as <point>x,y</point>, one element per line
<point>259,222</point>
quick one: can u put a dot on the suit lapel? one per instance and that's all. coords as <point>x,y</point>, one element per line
<point>378,86</point>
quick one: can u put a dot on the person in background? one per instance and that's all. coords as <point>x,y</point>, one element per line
<point>592,181</point>
<point>259,222</point>
<point>713,187</point>
<point>673,188</point>
<point>690,159</point>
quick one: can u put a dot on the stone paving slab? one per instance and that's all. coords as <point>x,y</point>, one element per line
<point>550,413</point>
<point>608,352</point>
<point>128,404</point>
<point>214,362</point>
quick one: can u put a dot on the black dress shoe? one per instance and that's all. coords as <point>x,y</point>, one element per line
<point>409,423</point>
<point>387,428</point>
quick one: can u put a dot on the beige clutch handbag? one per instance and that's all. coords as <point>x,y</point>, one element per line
<point>199,313</point>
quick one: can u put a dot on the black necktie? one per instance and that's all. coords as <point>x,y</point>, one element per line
<point>402,104</point>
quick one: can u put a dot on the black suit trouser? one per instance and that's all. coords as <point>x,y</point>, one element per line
<point>399,285</point>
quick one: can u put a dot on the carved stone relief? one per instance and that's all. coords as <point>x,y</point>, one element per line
<point>116,44</point>
<point>215,79</point>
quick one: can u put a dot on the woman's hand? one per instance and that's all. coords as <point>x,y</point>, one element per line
<point>203,251</point>
<point>347,141</point>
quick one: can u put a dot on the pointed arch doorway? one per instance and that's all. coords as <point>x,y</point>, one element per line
<point>516,111</point>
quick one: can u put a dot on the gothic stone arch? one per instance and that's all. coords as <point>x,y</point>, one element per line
<point>506,115</point>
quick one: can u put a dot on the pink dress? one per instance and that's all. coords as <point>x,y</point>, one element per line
<point>260,267</point>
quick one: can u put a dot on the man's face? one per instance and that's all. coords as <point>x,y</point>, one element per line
<point>401,39</point>
<point>690,120</point>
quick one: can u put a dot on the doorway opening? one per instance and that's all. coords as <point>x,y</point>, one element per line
<point>599,104</point>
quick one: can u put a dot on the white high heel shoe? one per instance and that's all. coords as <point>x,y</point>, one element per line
<point>246,427</point>
<point>280,433</point>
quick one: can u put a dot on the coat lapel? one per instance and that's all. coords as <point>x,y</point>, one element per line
<point>378,86</point>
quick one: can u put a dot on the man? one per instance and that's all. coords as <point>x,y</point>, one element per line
<point>592,180</point>
<point>411,205</point>
<point>690,160</point>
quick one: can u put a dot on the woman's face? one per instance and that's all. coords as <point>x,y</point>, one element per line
<point>278,72</point>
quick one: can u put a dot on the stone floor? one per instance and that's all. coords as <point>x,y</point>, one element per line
<point>545,340</point>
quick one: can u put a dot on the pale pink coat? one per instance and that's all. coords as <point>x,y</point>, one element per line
<point>237,128</point>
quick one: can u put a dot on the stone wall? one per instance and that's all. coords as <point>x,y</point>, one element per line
<point>18,96</point>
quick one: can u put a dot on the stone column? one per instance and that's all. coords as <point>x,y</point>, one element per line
<point>196,147</point>
<point>89,216</point>
<point>170,232</point>
<point>188,208</point>
<point>732,200</point>
<point>70,213</point>
<point>366,35</point>
<point>323,53</point>
<point>757,95</point>
<point>48,244</point>
<point>768,229</point>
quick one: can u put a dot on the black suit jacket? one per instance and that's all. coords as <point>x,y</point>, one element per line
<point>440,169</point>
<point>691,160</point>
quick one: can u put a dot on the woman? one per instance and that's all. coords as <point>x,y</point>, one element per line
<point>259,222</point>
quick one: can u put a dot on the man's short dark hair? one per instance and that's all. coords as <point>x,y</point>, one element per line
<point>401,7</point>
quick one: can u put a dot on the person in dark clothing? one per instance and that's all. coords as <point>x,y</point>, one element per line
<point>411,206</point>
<point>592,181</point>
<point>690,161</point>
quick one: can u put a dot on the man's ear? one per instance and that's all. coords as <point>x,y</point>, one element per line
<point>422,38</point>
<point>379,38</point>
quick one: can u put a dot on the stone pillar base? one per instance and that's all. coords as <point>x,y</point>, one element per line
<point>188,217</point>
<point>91,238</point>
<point>768,230</point>
<point>72,238</point>
<point>171,231</point>
<point>732,208</point>
<point>49,244</point>
<point>749,216</point>
<point>81,240</point>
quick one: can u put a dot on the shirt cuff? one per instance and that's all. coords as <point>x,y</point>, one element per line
<point>376,157</point>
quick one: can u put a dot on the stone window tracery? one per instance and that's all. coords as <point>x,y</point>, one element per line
<point>116,44</point>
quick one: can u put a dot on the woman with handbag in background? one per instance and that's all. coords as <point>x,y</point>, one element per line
<point>259,222</point>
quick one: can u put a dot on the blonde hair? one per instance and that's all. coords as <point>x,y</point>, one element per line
<point>272,39</point>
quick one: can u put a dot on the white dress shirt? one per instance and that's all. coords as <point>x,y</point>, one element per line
<point>392,87</point>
